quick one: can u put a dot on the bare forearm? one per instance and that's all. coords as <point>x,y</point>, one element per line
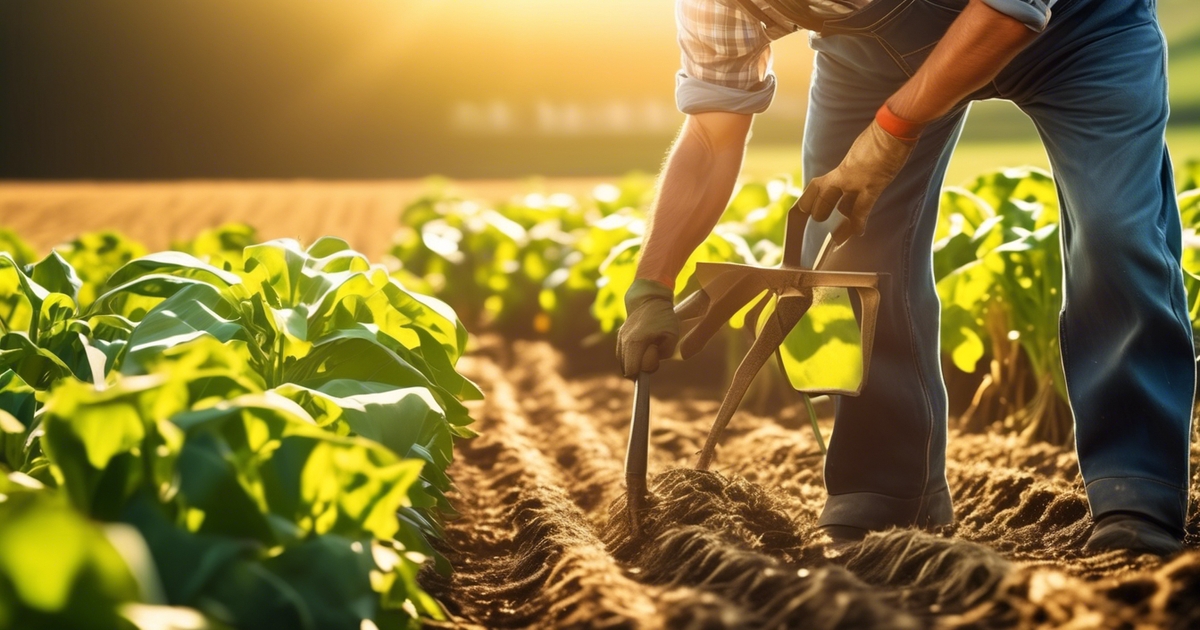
<point>693,190</point>
<point>978,45</point>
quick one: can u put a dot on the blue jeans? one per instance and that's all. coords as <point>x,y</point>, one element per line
<point>1094,84</point>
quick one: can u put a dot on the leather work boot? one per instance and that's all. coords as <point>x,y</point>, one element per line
<point>844,534</point>
<point>1132,532</point>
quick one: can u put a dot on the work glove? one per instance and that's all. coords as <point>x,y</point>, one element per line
<point>651,329</point>
<point>873,161</point>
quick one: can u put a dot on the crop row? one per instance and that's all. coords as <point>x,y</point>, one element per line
<point>246,434</point>
<point>558,267</point>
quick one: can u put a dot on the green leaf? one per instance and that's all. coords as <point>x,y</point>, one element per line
<point>18,403</point>
<point>408,421</point>
<point>951,253</point>
<point>354,354</point>
<point>37,366</point>
<point>1189,208</point>
<point>197,310</point>
<point>60,569</point>
<point>135,298</point>
<point>295,470</point>
<point>216,501</point>
<point>56,275</point>
<point>85,431</point>
<point>276,269</point>
<point>960,339</point>
<point>191,566</point>
<point>394,417</point>
<point>22,290</point>
<point>332,577</point>
<point>176,265</point>
<point>824,350</point>
<point>110,335</point>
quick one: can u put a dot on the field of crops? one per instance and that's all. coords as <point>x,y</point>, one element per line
<point>263,434</point>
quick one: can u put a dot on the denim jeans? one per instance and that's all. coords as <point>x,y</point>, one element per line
<point>1094,84</point>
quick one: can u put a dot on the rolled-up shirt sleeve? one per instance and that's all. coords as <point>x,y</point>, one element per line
<point>1033,13</point>
<point>725,58</point>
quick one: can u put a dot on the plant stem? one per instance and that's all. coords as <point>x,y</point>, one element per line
<point>812,418</point>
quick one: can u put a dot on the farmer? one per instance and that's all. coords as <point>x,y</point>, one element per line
<point>892,81</point>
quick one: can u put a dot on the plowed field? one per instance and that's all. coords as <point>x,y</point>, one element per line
<point>542,540</point>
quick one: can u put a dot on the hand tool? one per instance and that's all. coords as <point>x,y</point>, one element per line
<point>725,288</point>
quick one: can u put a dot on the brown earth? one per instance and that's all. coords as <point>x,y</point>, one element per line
<point>366,214</point>
<point>543,542</point>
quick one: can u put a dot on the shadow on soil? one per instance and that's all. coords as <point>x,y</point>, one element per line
<point>543,539</point>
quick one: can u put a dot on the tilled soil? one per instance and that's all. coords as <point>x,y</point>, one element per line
<point>364,213</point>
<point>543,542</point>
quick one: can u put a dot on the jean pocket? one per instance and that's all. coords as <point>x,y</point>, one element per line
<point>912,34</point>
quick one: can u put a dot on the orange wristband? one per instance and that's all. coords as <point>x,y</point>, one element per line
<point>904,130</point>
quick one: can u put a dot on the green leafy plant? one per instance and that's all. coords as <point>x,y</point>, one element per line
<point>221,246</point>
<point>291,408</point>
<point>232,485</point>
<point>527,267</point>
<point>458,244</point>
<point>57,569</point>
<point>330,329</point>
<point>16,247</point>
<point>1189,177</point>
<point>999,272</point>
<point>95,256</point>
<point>43,334</point>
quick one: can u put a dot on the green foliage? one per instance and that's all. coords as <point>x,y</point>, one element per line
<point>57,569</point>
<point>43,336</point>
<point>221,246</point>
<point>998,248</point>
<point>16,247</point>
<point>758,213</point>
<point>996,262</point>
<point>538,264</point>
<point>288,409</point>
<point>824,350</point>
<point>234,468</point>
<point>95,256</point>
<point>1189,177</point>
<point>999,270</point>
<point>333,332</point>
<point>509,252</point>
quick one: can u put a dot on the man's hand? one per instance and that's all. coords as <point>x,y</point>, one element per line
<point>977,46</point>
<point>651,330</point>
<point>874,160</point>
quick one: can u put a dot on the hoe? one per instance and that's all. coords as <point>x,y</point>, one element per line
<point>725,288</point>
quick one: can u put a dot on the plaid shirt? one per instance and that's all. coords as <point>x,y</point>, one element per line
<point>726,52</point>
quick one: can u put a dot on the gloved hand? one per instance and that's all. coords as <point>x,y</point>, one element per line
<point>651,330</point>
<point>873,161</point>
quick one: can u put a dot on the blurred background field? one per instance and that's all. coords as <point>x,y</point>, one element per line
<point>367,89</point>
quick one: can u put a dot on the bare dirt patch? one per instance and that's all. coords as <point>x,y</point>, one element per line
<point>543,542</point>
<point>366,214</point>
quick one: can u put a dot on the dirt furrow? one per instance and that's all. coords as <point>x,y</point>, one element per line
<point>543,541</point>
<point>523,551</point>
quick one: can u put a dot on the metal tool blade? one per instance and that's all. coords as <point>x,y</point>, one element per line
<point>827,248</point>
<point>835,220</point>
<point>638,450</point>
